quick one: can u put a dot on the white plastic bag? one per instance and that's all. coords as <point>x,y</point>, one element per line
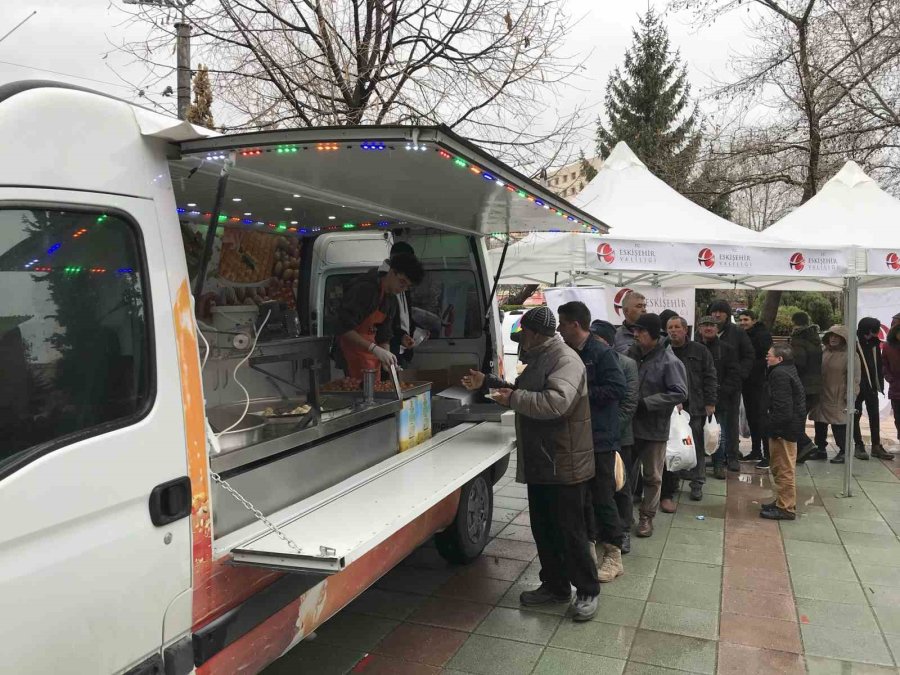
<point>712,432</point>
<point>680,450</point>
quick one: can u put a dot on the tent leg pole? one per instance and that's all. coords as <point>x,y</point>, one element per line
<point>851,289</point>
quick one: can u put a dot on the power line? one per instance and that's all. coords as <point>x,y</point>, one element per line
<point>77,77</point>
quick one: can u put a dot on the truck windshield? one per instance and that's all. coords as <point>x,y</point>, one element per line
<point>73,326</point>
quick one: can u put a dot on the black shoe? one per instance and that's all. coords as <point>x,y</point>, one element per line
<point>806,452</point>
<point>860,452</point>
<point>734,465</point>
<point>696,493</point>
<point>878,452</point>
<point>777,514</point>
<point>768,506</point>
<point>754,456</point>
<point>818,454</point>
<point>543,595</point>
<point>763,463</point>
<point>719,472</point>
<point>626,543</point>
<point>838,458</point>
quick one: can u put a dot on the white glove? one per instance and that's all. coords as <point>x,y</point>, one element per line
<point>386,357</point>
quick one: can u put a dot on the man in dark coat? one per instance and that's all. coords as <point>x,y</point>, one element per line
<point>806,346</point>
<point>703,390</point>
<point>606,387</point>
<point>871,384</point>
<point>728,409</point>
<point>555,451</point>
<point>753,390</point>
<point>786,407</point>
<point>662,384</point>
<point>729,375</point>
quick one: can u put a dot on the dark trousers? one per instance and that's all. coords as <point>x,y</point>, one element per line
<point>624,497</point>
<point>602,513</point>
<point>729,416</point>
<point>560,533</point>
<point>697,475</point>
<point>895,406</point>
<point>839,431</point>
<point>756,420</point>
<point>872,404</point>
<point>812,400</point>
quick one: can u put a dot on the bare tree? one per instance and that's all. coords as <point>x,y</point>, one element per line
<point>485,68</point>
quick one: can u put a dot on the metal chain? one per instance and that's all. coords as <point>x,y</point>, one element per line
<point>255,511</point>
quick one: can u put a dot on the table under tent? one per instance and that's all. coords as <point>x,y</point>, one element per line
<point>763,263</point>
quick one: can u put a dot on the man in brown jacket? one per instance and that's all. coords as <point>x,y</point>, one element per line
<point>555,459</point>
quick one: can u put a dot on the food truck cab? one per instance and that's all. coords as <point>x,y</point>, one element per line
<point>187,481</point>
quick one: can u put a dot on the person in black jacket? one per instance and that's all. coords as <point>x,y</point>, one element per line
<point>606,388</point>
<point>404,325</point>
<point>729,375</point>
<point>871,384</point>
<point>787,407</point>
<point>754,387</point>
<point>807,348</point>
<point>703,391</point>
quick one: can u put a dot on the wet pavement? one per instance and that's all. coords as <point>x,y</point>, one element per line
<point>715,590</point>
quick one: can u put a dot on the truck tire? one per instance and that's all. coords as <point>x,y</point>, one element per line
<point>465,538</point>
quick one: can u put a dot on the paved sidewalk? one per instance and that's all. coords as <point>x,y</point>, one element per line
<point>725,593</point>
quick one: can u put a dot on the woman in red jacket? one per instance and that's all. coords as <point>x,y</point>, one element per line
<point>891,356</point>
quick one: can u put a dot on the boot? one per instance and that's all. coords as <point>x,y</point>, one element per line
<point>612,564</point>
<point>878,452</point>
<point>645,527</point>
<point>667,505</point>
<point>838,458</point>
<point>860,452</point>
<point>626,543</point>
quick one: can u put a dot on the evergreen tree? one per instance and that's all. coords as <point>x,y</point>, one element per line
<point>200,111</point>
<point>586,170</point>
<point>648,106</point>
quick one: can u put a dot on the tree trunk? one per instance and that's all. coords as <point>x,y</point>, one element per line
<point>520,297</point>
<point>770,308</point>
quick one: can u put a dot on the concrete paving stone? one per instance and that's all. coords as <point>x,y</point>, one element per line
<point>619,611</point>
<point>823,533</point>
<point>493,567</point>
<point>514,503</point>
<point>802,566</point>
<point>388,604</point>
<point>882,595</point>
<point>843,644</point>
<point>690,621</point>
<point>853,511</point>
<point>511,599</point>
<point>406,579</point>
<point>532,573</point>
<point>315,657</point>
<point>450,613</point>
<point>845,592</point>
<point>894,645</point>
<point>689,521</point>
<point>695,537</point>
<point>811,549</point>
<point>763,544</point>
<point>712,499</point>
<point>866,555</point>
<point>889,618</point>
<point>506,548</point>
<point>865,540</point>
<point>519,624</point>
<point>651,547</point>
<point>715,487</point>
<point>760,632</point>
<point>422,644</point>
<point>701,509</point>
<point>483,655</point>
<point>629,586</point>
<point>635,668</point>
<point>883,575</point>
<point>817,665</point>
<point>865,526</point>
<point>745,660</point>
<point>563,662</point>
<point>514,490</point>
<point>504,515</point>
<point>594,637</point>
<point>496,528</point>
<point>765,562</point>
<point>523,518</point>
<point>685,594</point>
<point>750,578</point>
<point>758,603</point>
<point>640,565</point>
<point>836,615</point>
<point>359,632</point>
<point>377,664</point>
<point>517,533</point>
<point>700,573</point>
<point>668,650</point>
<point>692,553</point>
<point>476,589</point>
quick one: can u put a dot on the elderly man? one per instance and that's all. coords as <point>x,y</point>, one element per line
<point>662,386</point>
<point>555,459</point>
<point>633,306</point>
<point>703,390</point>
<point>606,387</point>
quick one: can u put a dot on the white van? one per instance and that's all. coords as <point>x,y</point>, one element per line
<point>160,283</point>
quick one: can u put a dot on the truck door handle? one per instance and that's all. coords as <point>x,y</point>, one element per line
<point>170,501</point>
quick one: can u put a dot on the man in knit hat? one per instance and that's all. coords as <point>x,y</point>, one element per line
<point>729,410</point>
<point>555,450</point>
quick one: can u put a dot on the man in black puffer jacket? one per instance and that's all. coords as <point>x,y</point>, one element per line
<point>871,384</point>
<point>787,408</point>
<point>807,348</point>
<point>753,390</point>
<point>729,376</point>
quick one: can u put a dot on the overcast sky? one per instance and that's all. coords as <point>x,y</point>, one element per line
<point>74,42</point>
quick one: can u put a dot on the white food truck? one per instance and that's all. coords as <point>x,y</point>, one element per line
<point>186,482</point>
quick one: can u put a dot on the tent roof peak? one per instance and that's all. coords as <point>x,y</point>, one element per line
<point>622,157</point>
<point>851,175</point>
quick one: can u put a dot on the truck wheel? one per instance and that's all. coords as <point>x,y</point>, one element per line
<point>465,538</point>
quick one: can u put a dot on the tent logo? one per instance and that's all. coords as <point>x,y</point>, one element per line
<point>606,253</point>
<point>892,260</point>
<point>706,257</point>
<point>798,262</point>
<point>619,300</point>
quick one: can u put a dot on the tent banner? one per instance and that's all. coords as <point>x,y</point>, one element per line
<point>882,304</point>
<point>605,302</point>
<point>715,259</point>
<point>883,261</point>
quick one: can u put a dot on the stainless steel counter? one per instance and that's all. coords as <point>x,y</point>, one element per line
<point>279,438</point>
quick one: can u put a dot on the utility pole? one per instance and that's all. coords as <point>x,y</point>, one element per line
<point>182,50</point>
